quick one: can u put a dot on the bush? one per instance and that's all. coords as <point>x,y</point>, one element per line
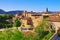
<point>9,25</point>
<point>48,36</point>
<point>17,23</point>
<point>6,16</point>
<point>2,25</point>
<point>11,35</point>
<point>45,16</point>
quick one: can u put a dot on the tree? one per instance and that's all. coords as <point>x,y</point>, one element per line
<point>1,17</point>
<point>43,29</point>
<point>17,23</point>
<point>7,16</point>
<point>9,25</point>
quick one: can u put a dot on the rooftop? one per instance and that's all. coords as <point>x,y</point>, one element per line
<point>54,18</point>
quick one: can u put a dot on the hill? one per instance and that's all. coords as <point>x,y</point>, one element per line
<point>10,12</point>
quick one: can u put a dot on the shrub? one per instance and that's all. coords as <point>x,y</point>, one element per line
<point>9,25</point>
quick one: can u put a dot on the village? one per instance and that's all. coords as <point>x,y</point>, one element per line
<point>46,23</point>
<point>33,19</point>
<point>30,20</point>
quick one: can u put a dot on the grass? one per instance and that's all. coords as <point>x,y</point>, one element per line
<point>43,33</point>
<point>42,28</point>
<point>48,36</point>
<point>11,35</point>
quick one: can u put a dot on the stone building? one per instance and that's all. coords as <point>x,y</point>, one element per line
<point>29,19</point>
<point>55,21</point>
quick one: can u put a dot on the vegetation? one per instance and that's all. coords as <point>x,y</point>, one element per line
<point>48,36</point>
<point>9,25</point>
<point>3,22</point>
<point>43,31</point>
<point>45,16</point>
<point>11,35</point>
<point>17,23</point>
<point>5,16</point>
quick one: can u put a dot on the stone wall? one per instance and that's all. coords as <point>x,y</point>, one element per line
<point>56,25</point>
<point>37,21</point>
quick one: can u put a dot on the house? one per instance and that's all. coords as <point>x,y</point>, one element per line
<point>30,19</point>
<point>55,21</point>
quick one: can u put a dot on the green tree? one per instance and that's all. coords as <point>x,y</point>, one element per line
<point>43,29</point>
<point>1,17</point>
<point>9,16</point>
<point>17,23</point>
<point>9,25</point>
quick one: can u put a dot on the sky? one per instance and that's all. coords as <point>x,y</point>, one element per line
<point>30,5</point>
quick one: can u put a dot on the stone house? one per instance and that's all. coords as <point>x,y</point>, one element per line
<point>29,19</point>
<point>55,21</point>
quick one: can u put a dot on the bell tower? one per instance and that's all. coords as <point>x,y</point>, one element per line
<point>24,13</point>
<point>46,11</point>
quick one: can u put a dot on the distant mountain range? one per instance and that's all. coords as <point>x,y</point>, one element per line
<point>51,12</point>
<point>10,12</point>
<point>15,12</point>
<point>2,11</point>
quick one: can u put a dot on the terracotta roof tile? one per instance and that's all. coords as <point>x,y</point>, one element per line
<point>54,18</point>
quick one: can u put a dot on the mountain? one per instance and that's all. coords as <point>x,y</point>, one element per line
<point>10,12</point>
<point>2,11</point>
<point>14,12</point>
<point>51,12</point>
<point>17,12</point>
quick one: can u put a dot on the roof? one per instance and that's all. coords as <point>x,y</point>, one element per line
<point>36,14</point>
<point>57,13</point>
<point>54,18</point>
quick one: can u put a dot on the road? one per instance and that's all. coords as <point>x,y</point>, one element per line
<point>58,38</point>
